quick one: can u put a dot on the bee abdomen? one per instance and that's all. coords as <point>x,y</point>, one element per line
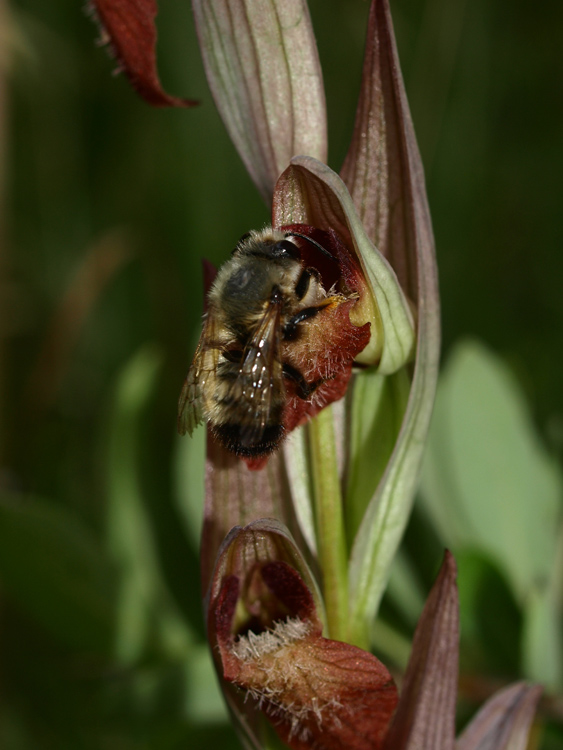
<point>242,441</point>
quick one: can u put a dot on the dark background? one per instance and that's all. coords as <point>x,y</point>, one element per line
<point>107,207</point>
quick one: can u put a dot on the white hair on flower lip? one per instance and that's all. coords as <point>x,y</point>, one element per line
<point>275,674</point>
<point>284,633</point>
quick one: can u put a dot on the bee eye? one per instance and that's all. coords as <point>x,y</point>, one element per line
<point>285,249</point>
<point>313,242</point>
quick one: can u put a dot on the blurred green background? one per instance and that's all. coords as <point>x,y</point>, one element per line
<point>106,209</point>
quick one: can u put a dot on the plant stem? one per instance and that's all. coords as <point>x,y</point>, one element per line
<point>331,536</point>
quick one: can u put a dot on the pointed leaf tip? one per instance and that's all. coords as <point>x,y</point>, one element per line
<point>129,27</point>
<point>383,172</point>
<point>382,169</point>
<point>425,716</point>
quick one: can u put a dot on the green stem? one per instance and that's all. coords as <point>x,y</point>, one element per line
<point>333,557</point>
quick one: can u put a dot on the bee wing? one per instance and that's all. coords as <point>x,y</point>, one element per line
<point>261,376</point>
<point>190,405</point>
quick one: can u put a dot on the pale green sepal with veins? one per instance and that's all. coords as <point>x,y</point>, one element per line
<point>384,304</point>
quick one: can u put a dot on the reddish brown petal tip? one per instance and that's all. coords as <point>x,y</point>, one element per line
<point>129,27</point>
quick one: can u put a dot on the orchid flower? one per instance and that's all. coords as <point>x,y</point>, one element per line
<point>264,619</point>
<point>295,556</point>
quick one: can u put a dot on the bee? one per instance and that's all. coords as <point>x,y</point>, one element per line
<point>242,371</point>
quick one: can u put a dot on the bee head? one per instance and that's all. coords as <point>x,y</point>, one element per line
<point>284,249</point>
<point>274,249</point>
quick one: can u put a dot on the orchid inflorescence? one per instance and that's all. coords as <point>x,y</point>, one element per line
<point>298,542</point>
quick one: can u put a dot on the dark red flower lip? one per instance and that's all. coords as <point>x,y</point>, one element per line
<point>312,689</point>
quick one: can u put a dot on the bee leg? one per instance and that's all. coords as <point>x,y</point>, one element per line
<point>303,389</point>
<point>304,281</point>
<point>290,328</point>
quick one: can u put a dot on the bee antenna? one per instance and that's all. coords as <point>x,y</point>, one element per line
<point>312,241</point>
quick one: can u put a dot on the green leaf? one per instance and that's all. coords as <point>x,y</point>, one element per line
<point>189,474</point>
<point>487,481</point>
<point>489,485</point>
<point>53,567</point>
<point>377,410</point>
<point>542,646</point>
<point>145,606</point>
<point>204,700</point>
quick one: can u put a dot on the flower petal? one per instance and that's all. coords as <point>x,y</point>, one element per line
<point>503,723</point>
<point>382,169</point>
<point>130,27</point>
<point>330,343</point>
<point>262,65</point>
<point>316,692</point>
<point>321,693</point>
<point>309,192</point>
<point>236,495</point>
<point>425,716</point>
<point>265,541</point>
<point>384,173</point>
